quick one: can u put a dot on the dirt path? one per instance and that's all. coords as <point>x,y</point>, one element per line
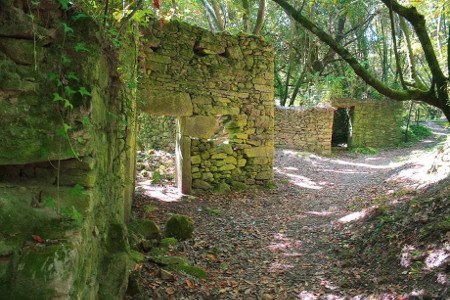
<point>292,242</point>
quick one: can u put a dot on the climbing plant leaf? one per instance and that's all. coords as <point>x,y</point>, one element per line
<point>49,202</point>
<point>84,92</point>
<point>64,3</point>
<point>77,191</point>
<point>80,47</point>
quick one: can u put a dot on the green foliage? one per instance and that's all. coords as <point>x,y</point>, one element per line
<point>72,213</point>
<point>156,177</point>
<point>365,150</point>
<point>213,211</point>
<point>417,132</point>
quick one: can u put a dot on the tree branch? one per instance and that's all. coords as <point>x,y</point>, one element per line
<point>354,64</point>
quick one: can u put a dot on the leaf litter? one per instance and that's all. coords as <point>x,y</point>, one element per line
<point>291,243</point>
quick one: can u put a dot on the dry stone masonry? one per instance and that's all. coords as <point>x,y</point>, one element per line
<point>362,123</point>
<point>220,88</point>
<point>157,132</point>
<point>375,123</point>
<point>306,129</point>
<point>67,156</point>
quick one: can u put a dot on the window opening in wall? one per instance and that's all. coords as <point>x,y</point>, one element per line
<point>342,128</point>
<point>155,159</point>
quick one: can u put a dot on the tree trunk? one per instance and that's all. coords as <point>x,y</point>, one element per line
<point>246,16</point>
<point>260,17</point>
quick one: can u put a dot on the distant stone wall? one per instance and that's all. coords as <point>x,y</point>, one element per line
<point>375,123</point>
<point>304,129</point>
<point>157,132</point>
<point>220,89</point>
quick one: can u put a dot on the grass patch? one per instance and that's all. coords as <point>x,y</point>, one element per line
<point>415,134</point>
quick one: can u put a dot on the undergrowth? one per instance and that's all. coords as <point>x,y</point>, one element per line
<point>415,134</point>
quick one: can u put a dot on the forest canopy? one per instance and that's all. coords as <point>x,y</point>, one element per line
<point>326,48</point>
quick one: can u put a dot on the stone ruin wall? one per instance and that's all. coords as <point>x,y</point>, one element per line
<point>308,129</point>
<point>220,89</point>
<point>375,123</point>
<point>157,132</point>
<point>79,249</point>
<point>75,248</point>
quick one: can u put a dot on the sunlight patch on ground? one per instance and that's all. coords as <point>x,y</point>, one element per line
<point>276,266</point>
<point>279,246</point>
<point>356,215</point>
<point>425,170</point>
<point>300,180</point>
<point>161,193</point>
<point>321,213</point>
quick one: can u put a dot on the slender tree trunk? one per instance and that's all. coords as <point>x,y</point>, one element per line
<point>412,62</point>
<point>246,16</point>
<point>394,40</point>
<point>260,17</point>
<point>218,15</point>
<point>291,60</point>
<point>209,13</point>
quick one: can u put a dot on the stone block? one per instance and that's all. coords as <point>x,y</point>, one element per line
<point>169,103</point>
<point>199,126</point>
<point>234,52</point>
<point>259,152</point>
<point>196,159</point>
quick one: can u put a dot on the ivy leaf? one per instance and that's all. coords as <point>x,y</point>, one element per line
<point>43,152</point>
<point>61,132</point>
<point>64,4</point>
<point>35,2</point>
<point>66,59</point>
<point>53,76</point>
<point>31,16</point>
<point>79,16</point>
<point>71,75</point>
<point>83,91</point>
<point>57,97</point>
<point>66,127</point>
<point>49,202</point>
<point>68,90</point>
<point>66,27</point>
<point>76,215</point>
<point>80,47</point>
<point>85,121</point>
<point>77,191</point>
<point>68,104</point>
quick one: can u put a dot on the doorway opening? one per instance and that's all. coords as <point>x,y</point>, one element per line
<point>156,159</point>
<point>342,128</point>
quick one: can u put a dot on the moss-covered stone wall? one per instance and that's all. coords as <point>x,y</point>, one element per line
<point>374,123</point>
<point>66,171</point>
<point>220,88</point>
<point>306,129</point>
<point>368,123</point>
<point>157,132</point>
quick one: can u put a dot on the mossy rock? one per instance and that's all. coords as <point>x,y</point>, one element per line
<point>238,186</point>
<point>222,188</point>
<point>134,284</point>
<point>196,271</point>
<point>145,228</point>
<point>179,227</point>
<point>172,260</point>
<point>167,242</point>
